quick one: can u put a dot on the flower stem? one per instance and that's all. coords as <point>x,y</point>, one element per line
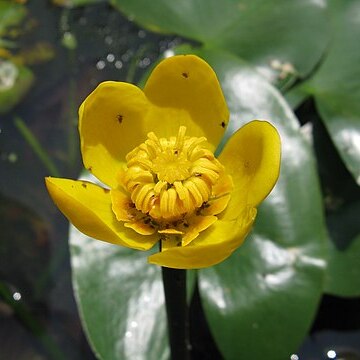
<point>177,312</point>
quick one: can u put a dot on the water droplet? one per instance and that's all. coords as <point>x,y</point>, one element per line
<point>144,63</point>
<point>110,58</point>
<point>134,324</point>
<point>331,354</point>
<point>118,64</point>
<point>128,334</point>
<point>294,357</point>
<point>16,296</point>
<point>100,64</point>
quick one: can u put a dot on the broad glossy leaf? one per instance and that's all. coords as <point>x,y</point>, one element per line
<point>343,273</point>
<point>262,300</point>
<point>336,85</point>
<point>120,298</point>
<point>282,37</point>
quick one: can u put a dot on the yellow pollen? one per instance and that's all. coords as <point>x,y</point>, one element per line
<point>170,178</point>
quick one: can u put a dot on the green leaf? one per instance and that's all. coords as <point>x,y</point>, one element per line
<point>11,14</point>
<point>120,299</point>
<point>282,37</point>
<point>15,82</point>
<point>262,300</point>
<point>336,85</point>
<point>343,273</point>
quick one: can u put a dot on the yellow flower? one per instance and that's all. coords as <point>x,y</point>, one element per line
<point>154,150</point>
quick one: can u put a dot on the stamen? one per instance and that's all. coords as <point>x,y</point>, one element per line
<point>180,138</point>
<point>168,181</point>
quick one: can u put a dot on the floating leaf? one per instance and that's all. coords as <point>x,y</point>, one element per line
<point>336,85</point>
<point>271,286</point>
<point>120,298</point>
<point>283,38</point>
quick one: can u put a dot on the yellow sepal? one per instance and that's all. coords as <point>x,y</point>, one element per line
<point>252,158</point>
<point>88,207</point>
<point>211,247</point>
<point>111,124</point>
<point>187,83</point>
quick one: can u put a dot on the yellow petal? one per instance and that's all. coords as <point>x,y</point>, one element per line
<point>116,116</point>
<point>211,247</point>
<point>140,227</point>
<point>187,83</point>
<point>197,224</point>
<point>252,158</point>
<point>170,232</point>
<point>88,207</point>
<point>110,125</point>
<point>122,205</point>
<point>216,206</point>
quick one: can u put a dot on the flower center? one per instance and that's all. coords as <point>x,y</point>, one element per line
<point>171,178</point>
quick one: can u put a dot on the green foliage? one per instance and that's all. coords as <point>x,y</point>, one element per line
<point>270,34</point>
<point>267,292</point>
<point>274,281</point>
<point>281,267</point>
<point>120,298</point>
<point>11,15</point>
<point>335,86</point>
<point>15,80</point>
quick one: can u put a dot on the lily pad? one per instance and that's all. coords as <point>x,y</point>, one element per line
<point>120,298</point>
<point>336,85</point>
<point>281,37</point>
<point>271,286</point>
